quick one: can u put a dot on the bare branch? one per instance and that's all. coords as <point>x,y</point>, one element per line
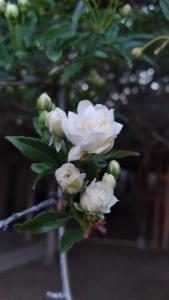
<point>4,224</point>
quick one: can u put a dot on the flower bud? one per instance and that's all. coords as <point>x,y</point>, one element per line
<point>24,5</point>
<point>12,11</point>
<point>2,6</point>
<point>126,10</point>
<point>44,102</point>
<point>69,178</point>
<point>110,179</point>
<point>42,119</point>
<point>114,168</point>
<point>137,51</point>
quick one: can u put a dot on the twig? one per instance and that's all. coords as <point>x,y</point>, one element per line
<point>66,294</point>
<point>4,224</point>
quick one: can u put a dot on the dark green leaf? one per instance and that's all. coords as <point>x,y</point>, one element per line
<point>54,33</point>
<point>164,4</point>
<point>72,70</point>
<point>44,222</point>
<point>70,237</point>
<point>42,167</point>
<point>120,154</point>
<point>35,149</point>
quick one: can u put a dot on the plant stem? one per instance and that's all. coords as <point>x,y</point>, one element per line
<point>156,39</point>
<point>22,28</point>
<point>16,37</point>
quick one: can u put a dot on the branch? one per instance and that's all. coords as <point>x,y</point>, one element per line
<point>4,224</point>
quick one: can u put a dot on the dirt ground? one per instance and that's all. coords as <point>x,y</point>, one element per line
<point>98,272</point>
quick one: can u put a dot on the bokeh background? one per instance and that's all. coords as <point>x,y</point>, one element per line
<point>76,50</point>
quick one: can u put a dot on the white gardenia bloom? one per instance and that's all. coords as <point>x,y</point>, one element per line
<point>69,178</point>
<point>92,130</point>
<point>54,122</point>
<point>12,11</point>
<point>98,197</point>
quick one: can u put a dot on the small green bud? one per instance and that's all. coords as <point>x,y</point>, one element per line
<point>110,179</point>
<point>114,168</point>
<point>42,119</point>
<point>24,5</point>
<point>2,6</point>
<point>137,51</point>
<point>12,11</point>
<point>44,102</point>
<point>126,10</point>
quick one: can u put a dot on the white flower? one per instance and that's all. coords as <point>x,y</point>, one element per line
<point>98,197</point>
<point>54,122</point>
<point>2,5</point>
<point>12,11</point>
<point>91,130</point>
<point>69,178</point>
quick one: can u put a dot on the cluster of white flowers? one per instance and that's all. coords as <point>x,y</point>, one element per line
<point>11,10</point>
<point>92,130</point>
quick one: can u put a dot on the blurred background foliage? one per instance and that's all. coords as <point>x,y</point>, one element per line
<point>85,46</point>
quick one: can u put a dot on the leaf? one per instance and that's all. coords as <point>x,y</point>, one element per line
<point>164,5</point>
<point>91,168</point>
<point>35,149</point>
<point>78,207</point>
<point>70,237</point>
<point>54,33</point>
<point>72,70</point>
<point>53,55</point>
<point>44,222</point>
<point>120,154</point>
<point>40,168</point>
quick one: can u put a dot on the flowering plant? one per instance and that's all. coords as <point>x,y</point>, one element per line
<point>77,148</point>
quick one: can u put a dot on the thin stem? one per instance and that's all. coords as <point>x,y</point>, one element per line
<point>66,290</point>
<point>156,39</point>
<point>64,270</point>
<point>4,224</point>
<point>16,37</point>
<point>22,28</point>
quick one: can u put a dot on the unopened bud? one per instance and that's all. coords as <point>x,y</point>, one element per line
<point>24,5</point>
<point>137,51</point>
<point>110,179</point>
<point>2,6</point>
<point>126,10</point>
<point>114,168</point>
<point>44,102</point>
<point>12,11</point>
<point>42,119</point>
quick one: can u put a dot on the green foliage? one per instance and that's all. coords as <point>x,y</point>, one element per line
<point>164,4</point>
<point>69,238</point>
<point>35,149</point>
<point>44,222</point>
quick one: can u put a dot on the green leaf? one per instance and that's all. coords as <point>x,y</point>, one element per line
<point>70,237</point>
<point>164,5</point>
<point>35,149</point>
<point>53,55</point>
<point>78,207</point>
<point>40,168</point>
<point>120,154</point>
<point>54,33</point>
<point>44,222</point>
<point>72,70</point>
<point>91,168</point>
